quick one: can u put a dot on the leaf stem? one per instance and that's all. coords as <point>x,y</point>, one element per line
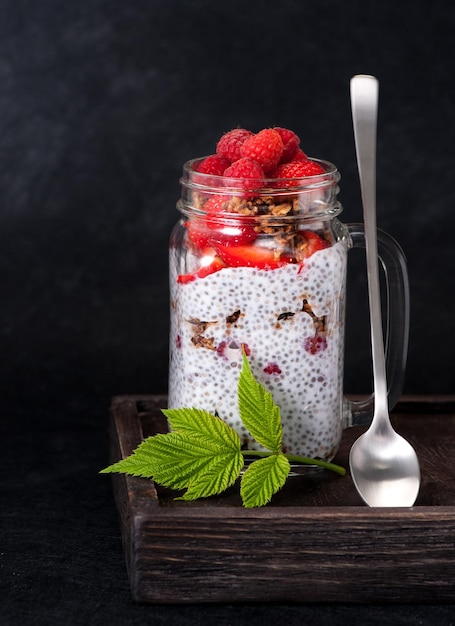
<point>305,460</point>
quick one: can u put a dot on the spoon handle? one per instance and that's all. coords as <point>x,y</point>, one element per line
<point>364,103</point>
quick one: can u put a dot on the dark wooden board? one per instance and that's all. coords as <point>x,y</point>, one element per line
<point>316,541</point>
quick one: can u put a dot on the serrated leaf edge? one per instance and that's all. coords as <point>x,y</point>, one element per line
<point>260,412</point>
<point>260,494</point>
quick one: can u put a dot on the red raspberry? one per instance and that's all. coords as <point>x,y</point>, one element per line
<point>291,143</point>
<point>198,232</point>
<point>215,204</point>
<point>300,155</point>
<point>272,368</point>
<point>295,169</point>
<point>246,349</point>
<point>224,346</point>
<point>213,164</point>
<point>248,170</point>
<point>314,243</point>
<point>315,344</point>
<point>230,143</point>
<point>266,148</point>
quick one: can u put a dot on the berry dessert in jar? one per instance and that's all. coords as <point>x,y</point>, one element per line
<point>258,266</point>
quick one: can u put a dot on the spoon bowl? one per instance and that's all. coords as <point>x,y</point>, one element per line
<point>384,466</point>
<point>385,469</point>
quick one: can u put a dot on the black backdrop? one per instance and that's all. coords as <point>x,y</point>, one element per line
<point>102,101</point>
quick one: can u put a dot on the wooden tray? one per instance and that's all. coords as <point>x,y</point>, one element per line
<point>316,542</point>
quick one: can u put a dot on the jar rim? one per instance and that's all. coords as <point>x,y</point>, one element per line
<point>236,186</point>
<point>310,198</point>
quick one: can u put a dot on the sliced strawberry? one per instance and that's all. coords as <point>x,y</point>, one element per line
<point>211,231</point>
<point>249,256</point>
<point>215,227</point>
<point>183,279</point>
<point>215,265</point>
<point>236,232</point>
<point>315,243</point>
<point>227,230</point>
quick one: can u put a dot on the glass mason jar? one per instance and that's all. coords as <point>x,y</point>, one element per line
<point>260,267</point>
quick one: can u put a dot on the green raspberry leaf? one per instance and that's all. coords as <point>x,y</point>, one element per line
<point>137,464</point>
<point>258,411</point>
<point>202,425</point>
<point>215,478</point>
<point>204,457</point>
<point>262,479</point>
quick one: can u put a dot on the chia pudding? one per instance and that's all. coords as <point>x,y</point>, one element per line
<point>290,322</point>
<point>258,265</point>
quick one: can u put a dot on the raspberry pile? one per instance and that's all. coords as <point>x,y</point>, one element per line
<point>272,153</point>
<point>248,228</point>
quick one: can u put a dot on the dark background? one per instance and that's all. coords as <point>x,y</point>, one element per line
<point>101,102</point>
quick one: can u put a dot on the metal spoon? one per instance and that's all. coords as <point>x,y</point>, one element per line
<point>384,466</point>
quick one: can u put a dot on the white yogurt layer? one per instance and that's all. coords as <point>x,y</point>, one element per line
<point>212,317</point>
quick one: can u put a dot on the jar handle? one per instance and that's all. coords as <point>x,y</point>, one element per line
<point>393,262</point>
